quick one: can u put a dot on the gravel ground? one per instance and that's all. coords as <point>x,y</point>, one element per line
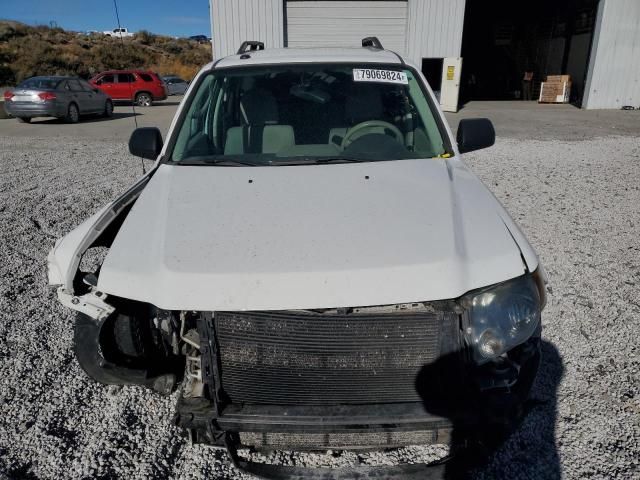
<point>578,202</point>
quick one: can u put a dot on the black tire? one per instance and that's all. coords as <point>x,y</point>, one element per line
<point>128,336</point>
<point>24,119</point>
<point>121,351</point>
<point>143,99</point>
<point>73,114</point>
<point>108,109</point>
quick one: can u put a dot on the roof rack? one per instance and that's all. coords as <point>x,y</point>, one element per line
<point>250,46</point>
<point>372,42</point>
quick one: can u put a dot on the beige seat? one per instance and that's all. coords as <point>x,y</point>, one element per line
<point>258,139</point>
<point>336,135</point>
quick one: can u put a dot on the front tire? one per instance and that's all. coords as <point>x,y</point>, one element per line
<point>143,99</point>
<point>73,115</point>
<point>108,109</point>
<point>24,119</point>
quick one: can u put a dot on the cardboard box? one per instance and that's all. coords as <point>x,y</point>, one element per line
<point>557,89</point>
<point>558,78</point>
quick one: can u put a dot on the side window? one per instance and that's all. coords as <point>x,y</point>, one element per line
<point>75,85</point>
<point>105,79</point>
<point>146,77</point>
<point>85,86</point>
<point>126,78</point>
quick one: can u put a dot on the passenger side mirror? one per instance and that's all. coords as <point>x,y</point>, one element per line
<point>99,82</point>
<point>146,142</point>
<point>474,134</point>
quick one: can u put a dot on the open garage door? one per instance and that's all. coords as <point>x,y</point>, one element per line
<point>341,24</point>
<point>504,39</point>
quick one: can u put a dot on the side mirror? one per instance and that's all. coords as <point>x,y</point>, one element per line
<point>146,142</point>
<point>98,82</point>
<point>474,134</point>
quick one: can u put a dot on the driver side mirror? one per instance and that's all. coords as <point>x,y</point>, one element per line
<point>475,134</point>
<point>146,142</point>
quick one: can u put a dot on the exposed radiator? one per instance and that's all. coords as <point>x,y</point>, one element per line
<point>301,358</point>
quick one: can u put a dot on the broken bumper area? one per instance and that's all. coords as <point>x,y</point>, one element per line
<point>476,414</point>
<point>99,357</point>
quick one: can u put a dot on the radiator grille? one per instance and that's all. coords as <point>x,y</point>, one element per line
<point>295,358</point>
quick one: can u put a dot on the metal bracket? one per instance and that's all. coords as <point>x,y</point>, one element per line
<point>92,304</point>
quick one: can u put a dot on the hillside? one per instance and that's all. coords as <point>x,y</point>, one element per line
<point>26,51</point>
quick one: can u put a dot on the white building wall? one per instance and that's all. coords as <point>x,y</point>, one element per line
<point>614,70</point>
<point>434,29</point>
<point>234,21</point>
<point>431,28</point>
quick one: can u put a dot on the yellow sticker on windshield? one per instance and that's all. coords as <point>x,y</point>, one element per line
<point>381,76</point>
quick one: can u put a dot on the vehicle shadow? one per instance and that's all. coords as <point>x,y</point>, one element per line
<point>115,116</point>
<point>161,103</point>
<point>485,444</point>
<point>87,119</point>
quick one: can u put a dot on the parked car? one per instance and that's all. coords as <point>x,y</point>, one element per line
<point>118,32</point>
<point>311,257</point>
<point>141,87</point>
<point>175,85</point>
<point>199,38</point>
<point>66,98</point>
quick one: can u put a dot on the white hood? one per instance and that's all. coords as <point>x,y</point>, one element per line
<point>302,237</point>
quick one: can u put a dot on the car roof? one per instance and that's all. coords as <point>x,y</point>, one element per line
<point>51,77</point>
<point>311,55</point>
<point>133,70</point>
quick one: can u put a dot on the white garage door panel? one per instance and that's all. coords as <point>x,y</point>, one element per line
<point>323,23</point>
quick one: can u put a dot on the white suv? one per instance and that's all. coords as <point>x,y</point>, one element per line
<point>312,262</point>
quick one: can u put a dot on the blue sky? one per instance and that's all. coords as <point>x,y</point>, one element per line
<point>167,17</point>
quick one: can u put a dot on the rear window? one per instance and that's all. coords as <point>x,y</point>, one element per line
<point>40,83</point>
<point>146,77</point>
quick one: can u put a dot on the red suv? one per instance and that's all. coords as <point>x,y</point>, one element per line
<point>141,87</point>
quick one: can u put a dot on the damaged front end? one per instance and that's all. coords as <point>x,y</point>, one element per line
<point>346,378</point>
<point>113,338</point>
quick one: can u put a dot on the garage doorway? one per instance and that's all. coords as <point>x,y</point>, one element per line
<point>503,39</point>
<point>432,70</point>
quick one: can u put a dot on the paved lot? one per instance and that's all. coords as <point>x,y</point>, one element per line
<point>571,180</point>
<point>116,128</point>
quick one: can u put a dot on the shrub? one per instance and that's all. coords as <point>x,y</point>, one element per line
<point>145,37</point>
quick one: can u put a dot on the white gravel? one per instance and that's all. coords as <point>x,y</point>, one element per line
<point>578,202</point>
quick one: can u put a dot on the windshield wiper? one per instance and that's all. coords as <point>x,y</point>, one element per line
<point>316,160</point>
<point>340,160</point>
<point>230,162</point>
<point>223,162</point>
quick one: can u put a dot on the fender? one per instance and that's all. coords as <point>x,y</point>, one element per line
<point>64,258</point>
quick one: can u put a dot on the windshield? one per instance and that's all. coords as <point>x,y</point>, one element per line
<point>41,83</point>
<point>297,114</point>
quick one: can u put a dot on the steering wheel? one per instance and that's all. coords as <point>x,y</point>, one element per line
<point>371,126</point>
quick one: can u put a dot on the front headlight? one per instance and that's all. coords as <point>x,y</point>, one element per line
<point>503,316</point>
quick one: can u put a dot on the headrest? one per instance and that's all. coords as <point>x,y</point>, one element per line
<point>258,107</point>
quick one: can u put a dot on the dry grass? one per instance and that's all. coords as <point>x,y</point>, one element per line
<point>26,51</point>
